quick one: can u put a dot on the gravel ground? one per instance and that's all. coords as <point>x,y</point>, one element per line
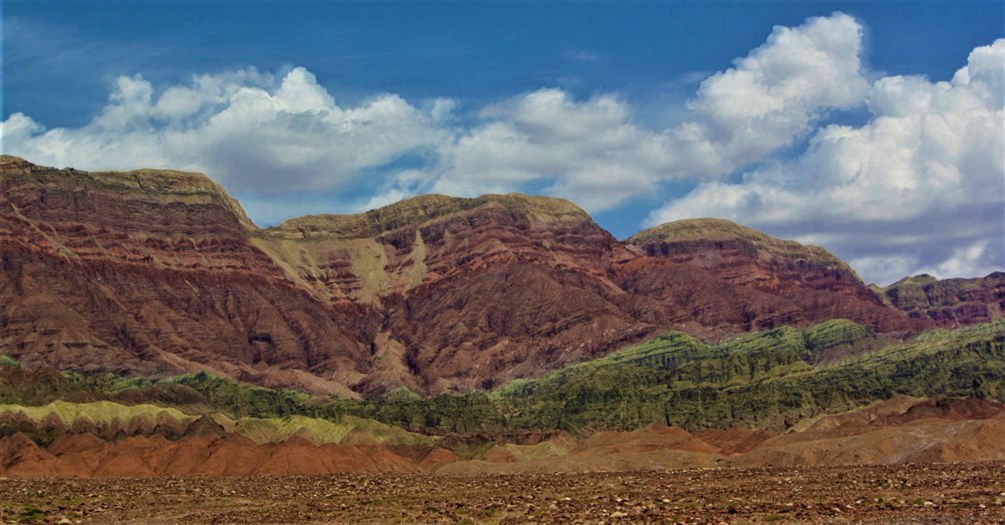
<point>942,493</point>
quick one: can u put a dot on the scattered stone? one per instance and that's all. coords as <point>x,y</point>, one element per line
<point>645,496</point>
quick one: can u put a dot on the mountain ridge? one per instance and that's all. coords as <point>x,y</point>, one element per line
<point>413,211</point>
<point>949,302</point>
<point>160,272</point>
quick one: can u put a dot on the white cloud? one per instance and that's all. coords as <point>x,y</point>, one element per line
<point>918,186</point>
<point>256,133</point>
<point>589,151</point>
<point>771,96</point>
<point>966,259</point>
<point>895,267</point>
<point>583,56</point>
<point>593,152</point>
<point>928,166</point>
<point>250,131</point>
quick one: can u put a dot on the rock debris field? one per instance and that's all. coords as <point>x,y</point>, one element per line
<point>902,494</point>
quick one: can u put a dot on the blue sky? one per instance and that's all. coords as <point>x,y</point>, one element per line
<point>800,118</point>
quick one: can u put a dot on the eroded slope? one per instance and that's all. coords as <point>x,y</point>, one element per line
<point>949,302</point>
<point>157,272</point>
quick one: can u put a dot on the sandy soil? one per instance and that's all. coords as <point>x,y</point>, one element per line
<point>888,495</point>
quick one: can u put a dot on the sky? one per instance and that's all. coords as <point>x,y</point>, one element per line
<point>873,129</point>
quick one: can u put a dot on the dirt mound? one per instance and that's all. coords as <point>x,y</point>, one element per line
<point>648,448</point>
<point>900,430</point>
<point>947,408</point>
<point>498,454</point>
<point>901,410</point>
<point>652,437</point>
<point>735,440</point>
<point>436,458</point>
<point>86,456</point>
<point>20,457</point>
<point>860,417</point>
<point>922,440</point>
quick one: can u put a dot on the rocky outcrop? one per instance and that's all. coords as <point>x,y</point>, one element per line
<point>729,277</point>
<point>950,302</point>
<point>472,292</point>
<point>156,272</point>
<point>150,272</point>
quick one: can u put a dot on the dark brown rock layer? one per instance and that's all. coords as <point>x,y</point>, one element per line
<point>950,302</point>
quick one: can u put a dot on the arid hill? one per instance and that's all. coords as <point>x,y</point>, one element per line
<point>949,302</point>
<point>901,430</point>
<point>156,273</point>
<point>722,274</point>
<point>152,272</point>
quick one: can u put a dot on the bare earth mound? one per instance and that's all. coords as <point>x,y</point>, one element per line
<point>900,430</point>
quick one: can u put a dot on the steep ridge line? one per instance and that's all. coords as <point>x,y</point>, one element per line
<point>156,273</point>
<point>950,302</point>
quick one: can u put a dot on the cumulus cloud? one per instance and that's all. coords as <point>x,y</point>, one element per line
<point>589,151</point>
<point>256,133</point>
<point>917,187</point>
<point>926,171</point>
<point>771,96</point>
<point>251,131</point>
<point>594,152</point>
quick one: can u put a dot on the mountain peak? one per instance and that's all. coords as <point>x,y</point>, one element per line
<point>163,185</point>
<point>147,180</point>
<point>916,280</point>
<point>708,229</point>
<point>689,231</point>
<point>419,210</point>
<point>949,302</point>
<point>749,259</point>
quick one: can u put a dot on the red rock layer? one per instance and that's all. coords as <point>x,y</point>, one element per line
<point>157,272</point>
<point>727,276</point>
<point>99,276</point>
<point>895,431</point>
<point>85,456</point>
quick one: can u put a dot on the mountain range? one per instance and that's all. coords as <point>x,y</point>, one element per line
<point>149,328</point>
<point>158,273</point>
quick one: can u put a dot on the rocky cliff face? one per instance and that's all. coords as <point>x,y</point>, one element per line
<point>728,277</point>
<point>473,292</point>
<point>150,272</point>
<point>949,302</point>
<point>160,272</point>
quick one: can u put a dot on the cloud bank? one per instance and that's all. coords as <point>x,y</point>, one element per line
<point>249,130</point>
<point>918,186</point>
